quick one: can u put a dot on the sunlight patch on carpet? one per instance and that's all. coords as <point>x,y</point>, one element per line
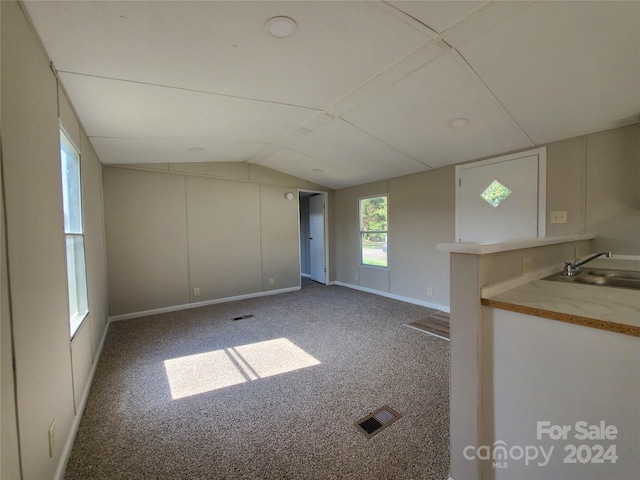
<point>205,372</point>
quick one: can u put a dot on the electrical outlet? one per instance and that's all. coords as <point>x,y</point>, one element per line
<point>52,438</point>
<point>526,264</point>
<point>429,291</point>
<point>559,216</point>
<point>196,292</point>
<point>271,281</point>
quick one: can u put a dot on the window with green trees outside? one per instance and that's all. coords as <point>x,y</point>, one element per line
<point>373,231</point>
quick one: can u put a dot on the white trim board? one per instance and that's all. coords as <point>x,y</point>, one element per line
<point>186,306</point>
<point>414,301</point>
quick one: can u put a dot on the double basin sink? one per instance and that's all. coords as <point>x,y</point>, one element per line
<point>601,277</point>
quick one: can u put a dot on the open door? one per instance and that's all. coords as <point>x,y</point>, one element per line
<point>316,238</point>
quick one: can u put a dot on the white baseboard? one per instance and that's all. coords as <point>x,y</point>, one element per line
<point>305,275</point>
<point>68,445</point>
<point>414,301</point>
<point>186,306</point>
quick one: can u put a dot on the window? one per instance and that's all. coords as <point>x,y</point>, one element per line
<point>73,232</point>
<point>373,231</point>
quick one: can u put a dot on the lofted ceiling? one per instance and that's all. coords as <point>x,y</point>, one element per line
<point>362,91</point>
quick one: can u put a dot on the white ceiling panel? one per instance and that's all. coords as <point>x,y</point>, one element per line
<point>563,69</point>
<point>112,108</point>
<point>359,155</point>
<point>438,15</point>
<point>154,150</point>
<point>414,113</point>
<point>363,90</point>
<point>311,169</point>
<point>223,47</point>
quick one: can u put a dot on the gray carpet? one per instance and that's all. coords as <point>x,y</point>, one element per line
<point>292,425</point>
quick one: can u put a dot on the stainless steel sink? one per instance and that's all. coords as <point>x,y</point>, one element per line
<point>601,277</point>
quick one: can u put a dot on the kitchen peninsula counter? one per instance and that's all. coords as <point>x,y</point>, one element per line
<point>606,308</point>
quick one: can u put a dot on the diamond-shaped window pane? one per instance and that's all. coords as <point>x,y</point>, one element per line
<point>495,194</point>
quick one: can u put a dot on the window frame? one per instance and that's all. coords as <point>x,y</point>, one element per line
<point>362,232</point>
<point>75,251</point>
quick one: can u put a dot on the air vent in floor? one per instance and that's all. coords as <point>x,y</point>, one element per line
<point>377,421</point>
<point>251,315</point>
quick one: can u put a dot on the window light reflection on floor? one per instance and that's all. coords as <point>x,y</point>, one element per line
<point>205,372</point>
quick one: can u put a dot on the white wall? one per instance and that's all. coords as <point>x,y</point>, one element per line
<point>537,369</point>
<point>52,372</point>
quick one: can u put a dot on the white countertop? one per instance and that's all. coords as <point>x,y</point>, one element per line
<point>619,306</point>
<point>480,248</point>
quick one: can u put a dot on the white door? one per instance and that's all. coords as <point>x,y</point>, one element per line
<point>316,238</point>
<point>499,199</point>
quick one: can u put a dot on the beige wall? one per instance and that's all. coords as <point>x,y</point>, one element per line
<point>52,372</point>
<point>613,190</point>
<point>225,229</point>
<point>146,240</point>
<point>9,456</point>
<point>421,215</point>
<point>594,178</point>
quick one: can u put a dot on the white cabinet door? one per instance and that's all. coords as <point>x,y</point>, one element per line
<point>498,199</point>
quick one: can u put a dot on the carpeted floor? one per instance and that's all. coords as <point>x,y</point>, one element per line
<point>274,396</point>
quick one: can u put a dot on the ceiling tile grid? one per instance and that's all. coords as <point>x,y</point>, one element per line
<point>362,91</point>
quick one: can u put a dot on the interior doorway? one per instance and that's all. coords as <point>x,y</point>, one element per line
<point>313,236</point>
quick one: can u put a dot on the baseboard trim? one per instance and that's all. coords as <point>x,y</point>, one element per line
<point>68,445</point>
<point>186,306</point>
<point>414,301</point>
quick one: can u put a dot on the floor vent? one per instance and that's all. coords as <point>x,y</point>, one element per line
<point>377,421</point>
<point>251,315</point>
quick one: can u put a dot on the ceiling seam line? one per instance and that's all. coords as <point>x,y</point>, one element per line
<point>116,137</point>
<point>457,53</point>
<point>137,82</point>
<point>387,144</point>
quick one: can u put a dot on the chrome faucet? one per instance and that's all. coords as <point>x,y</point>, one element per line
<point>573,268</point>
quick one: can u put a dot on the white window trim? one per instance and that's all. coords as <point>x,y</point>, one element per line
<point>360,232</point>
<point>75,320</point>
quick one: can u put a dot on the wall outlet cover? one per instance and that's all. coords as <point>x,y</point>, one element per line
<point>559,216</point>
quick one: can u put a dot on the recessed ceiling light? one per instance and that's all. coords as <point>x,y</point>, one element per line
<point>458,123</point>
<point>195,149</point>
<point>318,170</point>
<point>281,27</point>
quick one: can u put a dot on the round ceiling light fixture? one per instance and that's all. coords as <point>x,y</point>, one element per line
<point>281,27</point>
<point>458,123</point>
